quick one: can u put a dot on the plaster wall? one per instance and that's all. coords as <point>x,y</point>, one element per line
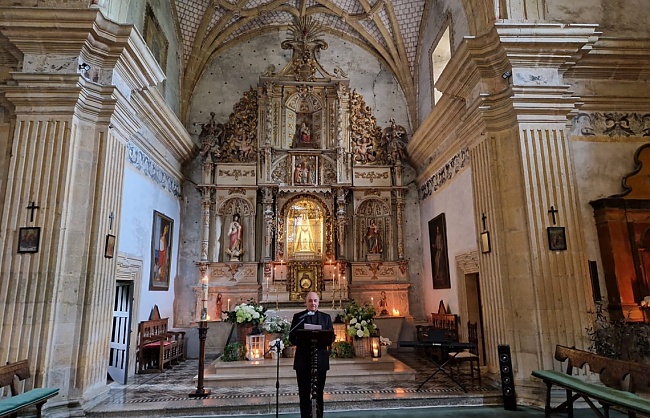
<point>455,200</point>
<point>141,197</point>
<point>621,18</point>
<point>133,12</point>
<point>434,23</point>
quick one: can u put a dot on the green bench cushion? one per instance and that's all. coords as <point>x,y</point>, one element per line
<point>604,393</point>
<point>34,396</point>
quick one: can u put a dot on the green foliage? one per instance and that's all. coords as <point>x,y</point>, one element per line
<point>342,349</point>
<point>234,352</point>
<point>618,339</point>
<point>247,313</point>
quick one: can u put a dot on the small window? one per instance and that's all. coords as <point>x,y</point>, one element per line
<point>439,58</point>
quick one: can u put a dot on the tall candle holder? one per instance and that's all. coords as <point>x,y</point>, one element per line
<point>200,391</point>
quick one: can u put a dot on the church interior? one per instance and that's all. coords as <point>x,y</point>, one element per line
<point>484,158</point>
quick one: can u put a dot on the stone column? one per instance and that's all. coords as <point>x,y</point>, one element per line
<point>341,221</point>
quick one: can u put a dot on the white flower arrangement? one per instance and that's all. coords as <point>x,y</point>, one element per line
<point>248,313</point>
<point>384,341</point>
<point>276,324</point>
<point>274,347</point>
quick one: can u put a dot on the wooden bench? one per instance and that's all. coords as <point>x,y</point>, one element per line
<point>638,375</point>
<point>10,406</point>
<point>157,345</point>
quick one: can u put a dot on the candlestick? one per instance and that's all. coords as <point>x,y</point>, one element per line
<point>228,305</point>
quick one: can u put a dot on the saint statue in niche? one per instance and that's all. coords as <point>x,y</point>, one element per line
<point>303,137</point>
<point>373,239</point>
<point>235,248</point>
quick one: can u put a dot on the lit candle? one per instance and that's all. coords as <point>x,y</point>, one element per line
<point>228,305</point>
<point>372,300</point>
<point>375,350</point>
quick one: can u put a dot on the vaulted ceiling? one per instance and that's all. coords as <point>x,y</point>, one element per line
<point>389,29</point>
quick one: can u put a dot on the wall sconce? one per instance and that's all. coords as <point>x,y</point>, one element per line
<point>84,67</point>
<point>506,75</point>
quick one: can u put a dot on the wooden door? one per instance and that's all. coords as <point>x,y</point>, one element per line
<point>118,362</point>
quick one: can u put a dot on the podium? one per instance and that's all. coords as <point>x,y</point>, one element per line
<point>315,339</point>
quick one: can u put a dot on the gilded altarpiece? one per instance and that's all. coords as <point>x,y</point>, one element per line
<point>302,191</point>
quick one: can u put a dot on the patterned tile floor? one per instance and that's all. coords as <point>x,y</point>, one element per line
<point>166,394</point>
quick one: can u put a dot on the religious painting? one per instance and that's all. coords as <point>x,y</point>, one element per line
<point>485,242</point>
<point>438,247</point>
<point>156,40</point>
<point>161,251</point>
<point>29,239</point>
<point>109,246</point>
<point>556,238</point>
<point>305,170</point>
<point>304,136</point>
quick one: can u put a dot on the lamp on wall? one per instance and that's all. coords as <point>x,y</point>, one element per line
<point>506,75</point>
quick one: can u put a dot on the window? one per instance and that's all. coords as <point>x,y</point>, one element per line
<point>439,58</point>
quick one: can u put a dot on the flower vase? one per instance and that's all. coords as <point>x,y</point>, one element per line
<point>243,330</point>
<point>361,347</point>
<point>289,352</point>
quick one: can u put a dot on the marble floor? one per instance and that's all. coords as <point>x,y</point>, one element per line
<point>167,394</point>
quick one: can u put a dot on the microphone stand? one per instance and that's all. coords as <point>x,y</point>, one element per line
<point>276,346</point>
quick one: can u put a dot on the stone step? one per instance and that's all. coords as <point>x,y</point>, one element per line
<point>265,372</point>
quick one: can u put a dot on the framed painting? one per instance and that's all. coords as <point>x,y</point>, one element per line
<point>439,259</point>
<point>109,246</point>
<point>485,242</point>
<point>556,238</point>
<point>161,251</point>
<point>29,239</point>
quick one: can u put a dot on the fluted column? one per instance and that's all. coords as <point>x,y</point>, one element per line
<point>269,221</point>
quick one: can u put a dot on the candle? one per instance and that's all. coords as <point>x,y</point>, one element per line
<point>372,300</point>
<point>228,305</point>
<point>204,289</point>
<point>375,350</point>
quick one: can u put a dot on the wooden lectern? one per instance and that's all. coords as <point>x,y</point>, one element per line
<point>316,339</point>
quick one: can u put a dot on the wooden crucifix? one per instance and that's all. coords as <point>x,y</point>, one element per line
<point>483,218</point>
<point>32,207</point>
<point>553,211</point>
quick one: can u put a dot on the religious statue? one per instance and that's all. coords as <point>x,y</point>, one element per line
<point>394,142</point>
<point>219,310</point>
<point>305,133</point>
<point>383,304</point>
<point>373,238</point>
<point>235,249</point>
<point>304,241</point>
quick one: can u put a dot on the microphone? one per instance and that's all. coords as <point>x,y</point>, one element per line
<point>303,315</point>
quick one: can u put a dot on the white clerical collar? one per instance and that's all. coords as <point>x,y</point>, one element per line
<point>311,313</point>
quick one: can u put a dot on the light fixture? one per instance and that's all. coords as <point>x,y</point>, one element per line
<point>255,347</point>
<point>84,67</point>
<point>340,329</point>
<point>375,344</point>
<point>506,75</point>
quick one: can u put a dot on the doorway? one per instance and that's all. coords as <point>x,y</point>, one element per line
<point>118,360</point>
<point>474,309</point>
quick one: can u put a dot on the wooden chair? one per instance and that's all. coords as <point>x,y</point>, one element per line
<point>470,356</point>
